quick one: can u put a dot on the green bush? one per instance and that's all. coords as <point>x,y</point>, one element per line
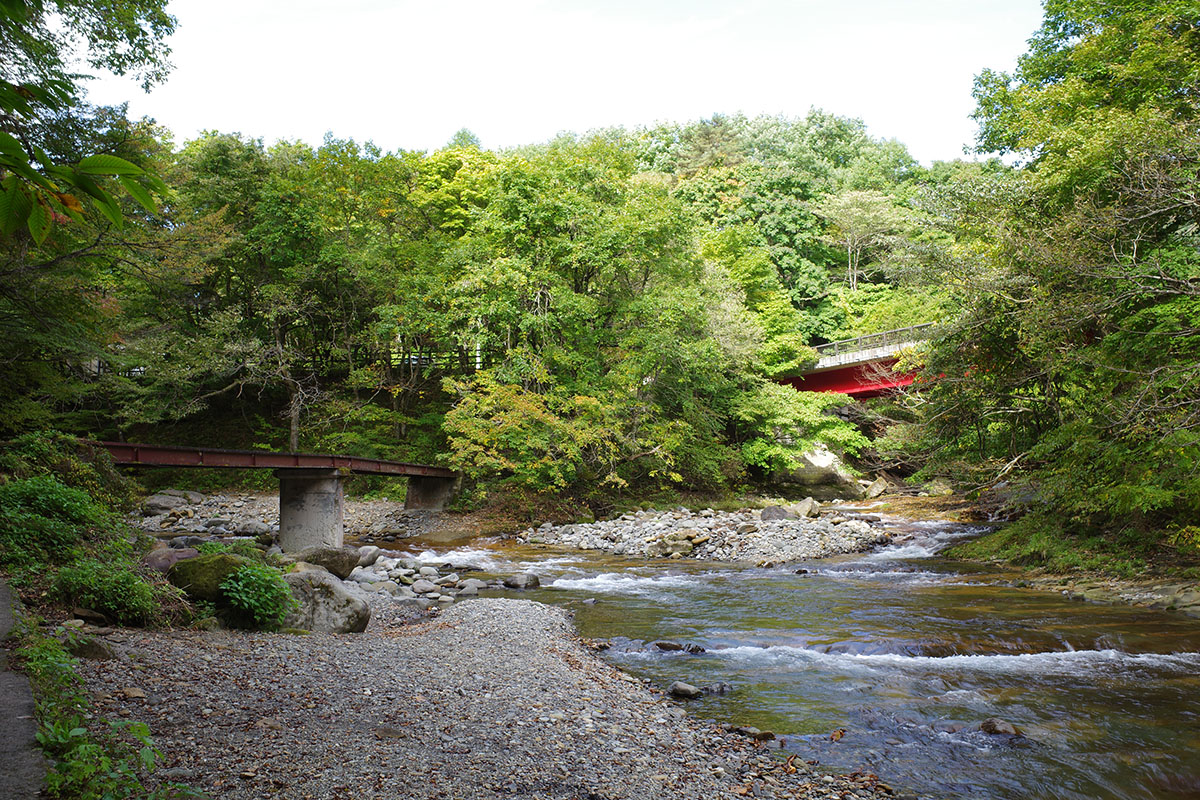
<point>72,462</point>
<point>41,520</point>
<point>114,588</point>
<point>258,597</point>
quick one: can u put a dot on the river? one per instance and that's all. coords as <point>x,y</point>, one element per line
<point>904,653</point>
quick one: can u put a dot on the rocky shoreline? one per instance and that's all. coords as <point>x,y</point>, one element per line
<point>494,698</point>
<point>774,535</point>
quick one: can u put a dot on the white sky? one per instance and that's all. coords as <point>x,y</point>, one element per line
<point>407,75</point>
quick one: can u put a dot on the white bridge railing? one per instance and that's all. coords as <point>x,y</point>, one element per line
<point>872,346</point>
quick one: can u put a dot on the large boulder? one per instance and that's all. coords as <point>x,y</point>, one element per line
<point>341,561</point>
<point>775,513</point>
<point>162,503</point>
<point>325,604</point>
<point>824,473</point>
<point>201,577</point>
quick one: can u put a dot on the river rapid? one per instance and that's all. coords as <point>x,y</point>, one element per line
<point>904,653</point>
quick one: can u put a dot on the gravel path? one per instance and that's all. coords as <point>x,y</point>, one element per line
<point>493,698</point>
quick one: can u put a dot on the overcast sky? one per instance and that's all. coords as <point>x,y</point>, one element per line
<point>407,75</point>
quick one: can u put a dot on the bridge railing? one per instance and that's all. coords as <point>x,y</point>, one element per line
<point>873,340</point>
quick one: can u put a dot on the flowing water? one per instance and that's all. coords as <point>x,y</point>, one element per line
<point>906,653</point>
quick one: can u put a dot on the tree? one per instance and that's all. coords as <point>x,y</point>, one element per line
<point>1077,278</point>
<point>38,39</point>
<point>862,222</point>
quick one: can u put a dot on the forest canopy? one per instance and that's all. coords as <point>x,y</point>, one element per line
<point>610,313</point>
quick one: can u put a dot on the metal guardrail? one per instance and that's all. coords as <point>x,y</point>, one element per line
<point>874,340</point>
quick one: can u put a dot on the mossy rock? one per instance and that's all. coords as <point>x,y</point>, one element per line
<point>201,577</point>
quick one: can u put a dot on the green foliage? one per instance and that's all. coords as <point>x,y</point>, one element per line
<point>71,462</point>
<point>112,584</point>
<point>69,538</point>
<point>258,596</point>
<point>90,758</point>
<point>42,521</point>
<point>778,424</point>
<point>1071,359</point>
<point>1045,542</point>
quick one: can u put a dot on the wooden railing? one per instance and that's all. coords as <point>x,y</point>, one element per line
<point>873,340</point>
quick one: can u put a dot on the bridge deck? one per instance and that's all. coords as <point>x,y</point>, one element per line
<point>153,455</point>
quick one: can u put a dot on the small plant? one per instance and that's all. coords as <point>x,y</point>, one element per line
<point>90,759</point>
<point>258,597</point>
<point>242,548</point>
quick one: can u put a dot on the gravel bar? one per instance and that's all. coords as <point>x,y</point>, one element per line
<point>492,698</point>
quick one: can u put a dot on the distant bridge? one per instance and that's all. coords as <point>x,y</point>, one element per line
<point>310,484</point>
<point>861,367</point>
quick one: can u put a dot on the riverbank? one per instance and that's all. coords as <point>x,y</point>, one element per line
<point>490,698</point>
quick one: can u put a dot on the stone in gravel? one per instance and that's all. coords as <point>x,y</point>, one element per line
<point>341,561</point>
<point>807,507</point>
<point>684,690</point>
<point>772,513</point>
<point>468,591</point>
<point>325,605</point>
<point>201,577</point>
<point>164,558</point>
<point>90,648</point>
<point>754,733</point>
<point>525,580</point>
<point>367,556</point>
<point>213,522</point>
<point>161,503</point>
<point>423,586</point>
<point>428,572</point>
<point>747,527</point>
<point>472,583</point>
<point>253,527</point>
<point>999,727</point>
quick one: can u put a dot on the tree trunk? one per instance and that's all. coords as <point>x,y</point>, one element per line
<point>293,417</point>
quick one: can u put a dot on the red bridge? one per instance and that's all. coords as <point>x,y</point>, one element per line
<point>861,367</point>
<point>310,484</point>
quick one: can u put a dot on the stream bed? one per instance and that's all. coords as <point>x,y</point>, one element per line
<point>889,661</point>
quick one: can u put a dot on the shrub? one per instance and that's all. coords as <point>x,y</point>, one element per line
<point>41,520</point>
<point>70,461</point>
<point>258,597</point>
<point>113,588</point>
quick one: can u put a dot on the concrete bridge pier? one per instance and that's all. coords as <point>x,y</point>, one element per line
<point>310,508</point>
<point>429,492</point>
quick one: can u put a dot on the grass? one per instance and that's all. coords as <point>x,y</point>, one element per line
<point>1043,544</point>
<point>91,758</point>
